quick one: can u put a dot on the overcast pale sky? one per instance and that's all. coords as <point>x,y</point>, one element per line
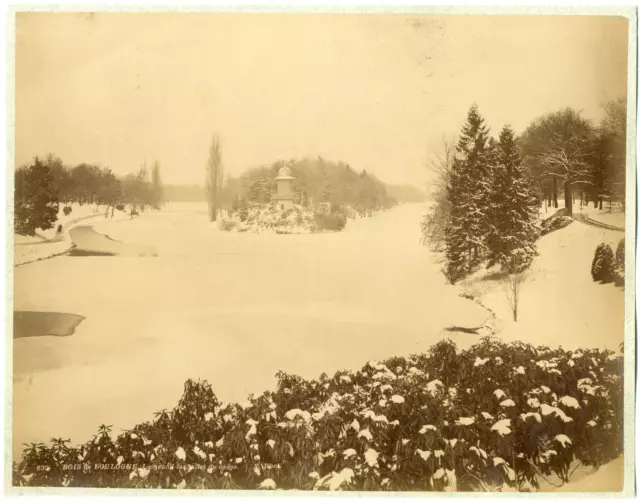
<point>376,91</point>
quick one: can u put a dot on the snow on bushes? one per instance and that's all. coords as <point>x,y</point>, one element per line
<point>258,217</point>
<point>297,219</point>
<point>430,422</point>
<point>559,220</point>
<point>603,264</point>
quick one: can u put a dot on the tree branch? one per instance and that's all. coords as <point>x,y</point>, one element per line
<point>482,484</point>
<point>576,467</point>
<point>535,469</point>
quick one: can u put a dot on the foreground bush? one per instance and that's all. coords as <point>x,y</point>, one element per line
<point>493,416</point>
<point>602,267</point>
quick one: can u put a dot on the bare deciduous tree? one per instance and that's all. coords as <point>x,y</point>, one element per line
<point>214,177</point>
<point>557,147</point>
<point>434,222</point>
<point>512,286</point>
<point>614,126</point>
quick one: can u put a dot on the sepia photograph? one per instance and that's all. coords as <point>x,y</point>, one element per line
<point>381,252</point>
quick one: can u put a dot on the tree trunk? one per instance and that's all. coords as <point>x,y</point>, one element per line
<point>568,198</point>
<point>600,203</point>
<point>555,192</point>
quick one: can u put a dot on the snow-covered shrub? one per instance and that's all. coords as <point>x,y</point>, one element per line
<point>329,217</point>
<point>620,257</point>
<point>496,415</point>
<point>334,221</point>
<point>602,267</point>
<point>555,222</point>
<point>66,210</point>
<point>259,217</point>
<point>227,224</point>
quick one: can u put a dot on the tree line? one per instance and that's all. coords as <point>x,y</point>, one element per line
<point>316,181</point>
<point>43,184</point>
<point>488,192</point>
<point>572,155</point>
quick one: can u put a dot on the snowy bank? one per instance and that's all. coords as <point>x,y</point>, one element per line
<point>560,303</point>
<point>57,241</point>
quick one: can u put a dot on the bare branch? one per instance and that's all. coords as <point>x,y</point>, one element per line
<point>535,469</point>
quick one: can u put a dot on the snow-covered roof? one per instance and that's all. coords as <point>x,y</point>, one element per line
<point>284,174</point>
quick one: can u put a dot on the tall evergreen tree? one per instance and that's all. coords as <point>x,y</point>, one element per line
<point>468,192</point>
<point>35,199</point>
<point>514,206</point>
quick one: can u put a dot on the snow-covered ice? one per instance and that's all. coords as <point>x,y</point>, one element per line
<point>230,308</point>
<point>50,243</point>
<point>236,308</point>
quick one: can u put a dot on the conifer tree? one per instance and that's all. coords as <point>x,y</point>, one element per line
<point>514,205</point>
<point>35,200</point>
<point>468,193</point>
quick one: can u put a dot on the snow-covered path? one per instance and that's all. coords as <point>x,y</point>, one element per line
<point>230,308</point>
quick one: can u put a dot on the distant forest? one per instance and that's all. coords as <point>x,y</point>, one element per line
<point>44,184</point>
<point>317,180</point>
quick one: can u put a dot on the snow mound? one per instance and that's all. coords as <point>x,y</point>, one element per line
<point>271,218</point>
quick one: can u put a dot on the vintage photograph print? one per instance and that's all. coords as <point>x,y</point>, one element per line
<point>375,252</point>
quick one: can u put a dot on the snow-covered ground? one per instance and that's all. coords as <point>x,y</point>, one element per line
<point>231,308</point>
<point>607,478</point>
<point>25,253</point>
<point>560,304</point>
<point>236,308</point>
<point>616,218</point>
<point>607,215</point>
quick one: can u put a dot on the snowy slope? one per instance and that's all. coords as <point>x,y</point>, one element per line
<point>560,303</point>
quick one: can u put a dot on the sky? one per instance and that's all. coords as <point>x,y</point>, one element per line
<point>379,92</point>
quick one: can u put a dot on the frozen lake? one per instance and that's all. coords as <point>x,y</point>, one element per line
<point>230,308</point>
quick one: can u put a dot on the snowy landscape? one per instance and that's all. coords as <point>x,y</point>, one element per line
<point>319,312</point>
<point>251,314</point>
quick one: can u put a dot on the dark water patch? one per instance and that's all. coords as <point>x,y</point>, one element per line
<point>89,243</point>
<point>39,323</point>
<point>76,252</point>
<point>464,330</point>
